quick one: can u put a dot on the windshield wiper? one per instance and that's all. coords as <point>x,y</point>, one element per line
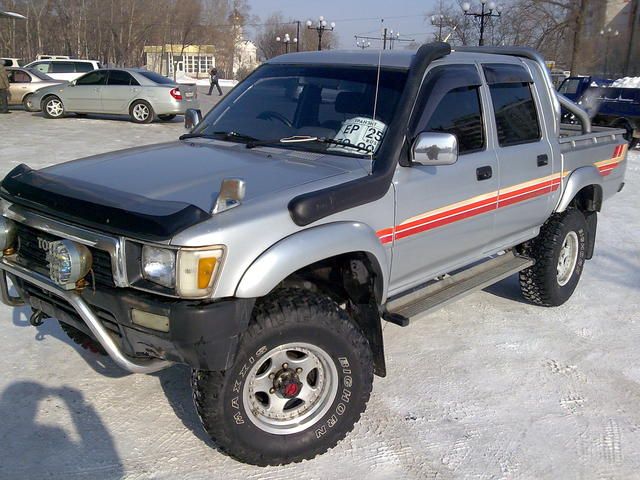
<point>219,135</point>
<point>304,139</point>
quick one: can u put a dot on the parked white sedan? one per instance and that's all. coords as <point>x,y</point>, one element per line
<point>141,94</point>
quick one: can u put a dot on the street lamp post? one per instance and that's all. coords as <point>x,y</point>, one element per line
<point>437,21</point>
<point>362,44</point>
<point>320,27</point>
<point>483,15</point>
<point>607,35</point>
<point>286,40</point>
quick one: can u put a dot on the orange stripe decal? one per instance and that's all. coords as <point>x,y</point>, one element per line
<point>490,201</point>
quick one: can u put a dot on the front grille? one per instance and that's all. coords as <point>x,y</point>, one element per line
<point>32,256</point>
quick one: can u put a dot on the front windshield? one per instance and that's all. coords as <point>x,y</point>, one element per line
<point>323,102</point>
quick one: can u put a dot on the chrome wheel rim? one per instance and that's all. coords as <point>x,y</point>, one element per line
<point>54,107</point>
<point>141,112</point>
<point>568,258</point>
<point>290,388</point>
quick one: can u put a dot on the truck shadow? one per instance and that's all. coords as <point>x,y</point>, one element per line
<point>31,449</point>
<point>176,385</point>
<point>509,288</point>
<point>50,328</point>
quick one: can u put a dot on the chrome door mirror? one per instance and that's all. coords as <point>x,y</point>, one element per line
<point>435,148</point>
<point>192,117</point>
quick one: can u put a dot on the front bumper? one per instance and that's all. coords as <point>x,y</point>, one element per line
<point>202,335</point>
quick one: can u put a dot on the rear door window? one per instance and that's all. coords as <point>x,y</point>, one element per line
<point>18,76</point>
<point>118,77</point>
<point>62,67</point>
<point>515,111</point>
<point>513,104</point>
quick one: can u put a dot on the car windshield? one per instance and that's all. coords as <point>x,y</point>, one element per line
<point>156,77</point>
<point>328,106</point>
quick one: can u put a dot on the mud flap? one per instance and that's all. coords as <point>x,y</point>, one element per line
<point>592,224</point>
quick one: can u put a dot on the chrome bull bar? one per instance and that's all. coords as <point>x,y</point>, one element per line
<point>82,308</point>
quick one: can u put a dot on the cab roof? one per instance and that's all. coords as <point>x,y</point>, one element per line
<point>400,59</point>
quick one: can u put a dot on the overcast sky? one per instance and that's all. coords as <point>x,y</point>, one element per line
<point>353,17</point>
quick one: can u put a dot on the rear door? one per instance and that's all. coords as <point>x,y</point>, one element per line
<point>524,153</point>
<point>18,85</point>
<point>85,94</point>
<point>119,92</point>
<point>444,214</point>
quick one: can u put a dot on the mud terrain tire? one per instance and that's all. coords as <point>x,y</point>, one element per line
<point>544,283</point>
<point>280,322</point>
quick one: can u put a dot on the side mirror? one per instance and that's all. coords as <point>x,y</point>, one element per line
<point>435,148</point>
<point>192,117</point>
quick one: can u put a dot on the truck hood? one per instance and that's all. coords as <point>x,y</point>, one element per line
<point>157,191</point>
<point>191,172</point>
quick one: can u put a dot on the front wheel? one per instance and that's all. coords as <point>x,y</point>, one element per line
<point>559,252</point>
<point>52,107</point>
<point>301,379</point>
<point>141,112</point>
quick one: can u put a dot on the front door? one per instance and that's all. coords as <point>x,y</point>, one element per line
<point>85,95</point>
<point>525,157</point>
<point>445,214</point>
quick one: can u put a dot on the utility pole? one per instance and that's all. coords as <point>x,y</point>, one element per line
<point>384,39</point>
<point>387,35</point>
<point>298,35</point>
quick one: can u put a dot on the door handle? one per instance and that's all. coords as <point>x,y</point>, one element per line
<point>484,173</point>
<point>543,160</point>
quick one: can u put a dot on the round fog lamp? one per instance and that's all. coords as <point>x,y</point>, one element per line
<point>7,233</point>
<point>68,262</point>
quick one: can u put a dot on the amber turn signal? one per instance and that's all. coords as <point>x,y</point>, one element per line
<point>206,267</point>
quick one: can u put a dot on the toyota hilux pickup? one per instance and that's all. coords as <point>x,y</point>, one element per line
<point>327,193</point>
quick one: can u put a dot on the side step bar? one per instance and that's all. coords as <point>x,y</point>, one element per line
<point>439,293</point>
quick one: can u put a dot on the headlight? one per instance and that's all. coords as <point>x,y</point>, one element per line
<point>197,270</point>
<point>68,262</point>
<point>159,265</point>
<point>7,233</point>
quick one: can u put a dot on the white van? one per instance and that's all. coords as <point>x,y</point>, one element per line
<point>68,69</point>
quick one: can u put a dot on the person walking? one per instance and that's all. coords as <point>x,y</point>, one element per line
<point>213,81</point>
<point>4,89</point>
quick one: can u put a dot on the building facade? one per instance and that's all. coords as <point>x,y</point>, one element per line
<point>606,53</point>
<point>193,60</point>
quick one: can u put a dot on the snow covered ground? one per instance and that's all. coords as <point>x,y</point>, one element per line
<point>627,82</point>
<point>489,387</point>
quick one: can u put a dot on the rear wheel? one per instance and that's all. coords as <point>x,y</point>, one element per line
<point>626,125</point>
<point>559,252</point>
<point>52,107</point>
<point>301,379</point>
<point>141,112</point>
<point>26,103</point>
<point>166,118</point>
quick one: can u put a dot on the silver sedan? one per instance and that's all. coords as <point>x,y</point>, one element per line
<point>141,94</point>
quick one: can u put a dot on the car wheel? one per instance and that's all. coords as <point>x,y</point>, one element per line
<point>52,107</point>
<point>26,103</point>
<point>559,252</point>
<point>301,380</point>
<point>141,112</point>
<point>626,125</point>
<point>166,118</point>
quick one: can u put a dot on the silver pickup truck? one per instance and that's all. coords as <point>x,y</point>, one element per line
<point>327,193</point>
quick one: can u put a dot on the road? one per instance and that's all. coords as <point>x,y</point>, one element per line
<point>489,387</point>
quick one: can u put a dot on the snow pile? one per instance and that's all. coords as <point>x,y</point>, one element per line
<point>181,78</point>
<point>627,82</point>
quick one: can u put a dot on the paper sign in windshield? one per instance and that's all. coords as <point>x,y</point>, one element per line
<point>361,131</point>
